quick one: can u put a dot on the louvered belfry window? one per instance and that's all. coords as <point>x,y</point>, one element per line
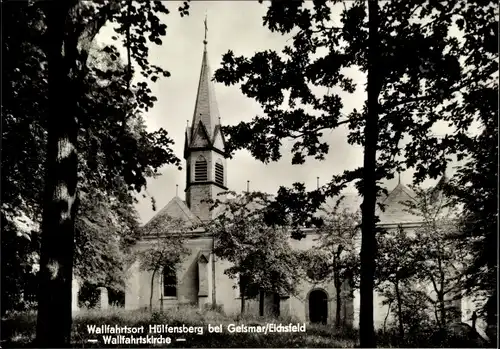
<point>201,170</point>
<point>219,173</point>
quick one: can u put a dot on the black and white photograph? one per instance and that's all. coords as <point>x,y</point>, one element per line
<point>249,174</point>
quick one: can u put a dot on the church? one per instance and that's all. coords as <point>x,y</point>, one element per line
<point>200,279</point>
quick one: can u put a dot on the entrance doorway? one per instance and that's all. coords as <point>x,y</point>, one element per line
<point>318,307</point>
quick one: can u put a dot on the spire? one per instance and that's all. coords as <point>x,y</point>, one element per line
<point>205,110</point>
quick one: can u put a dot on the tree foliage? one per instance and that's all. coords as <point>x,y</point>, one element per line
<point>475,188</point>
<point>441,260</point>
<point>423,264</point>
<point>339,238</point>
<point>419,70</point>
<point>260,254</point>
<point>417,45</point>
<point>339,241</point>
<point>397,267</point>
<point>106,105</point>
<point>104,170</point>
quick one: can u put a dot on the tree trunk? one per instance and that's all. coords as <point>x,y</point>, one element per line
<point>54,317</point>
<point>436,315</point>
<point>161,293</point>
<point>400,310</point>
<point>242,300</point>
<point>368,241</point>
<point>387,316</point>
<point>442,309</point>
<point>152,290</point>
<point>67,48</point>
<point>338,286</point>
<point>243,285</point>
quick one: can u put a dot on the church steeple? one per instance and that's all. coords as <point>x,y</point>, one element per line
<point>205,110</point>
<point>205,126</point>
<point>204,147</point>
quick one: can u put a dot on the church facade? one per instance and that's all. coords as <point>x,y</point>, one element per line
<point>200,279</point>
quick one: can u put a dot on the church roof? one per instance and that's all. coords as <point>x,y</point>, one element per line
<point>394,212</point>
<point>205,110</point>
<point>175,209</point>
<point>394,208</point>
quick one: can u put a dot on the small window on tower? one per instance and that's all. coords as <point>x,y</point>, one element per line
<point>219,173</point>
<point>200,170</point>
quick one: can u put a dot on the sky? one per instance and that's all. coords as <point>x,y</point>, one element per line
<point>235,25</point>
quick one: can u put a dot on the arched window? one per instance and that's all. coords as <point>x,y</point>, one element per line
<point>169,282</point>
<point>200,170</point>
<point>219,173</point>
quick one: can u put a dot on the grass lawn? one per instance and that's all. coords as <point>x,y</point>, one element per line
<point>18,330</point>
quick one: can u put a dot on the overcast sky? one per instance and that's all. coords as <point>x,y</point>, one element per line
<point>235,25</point>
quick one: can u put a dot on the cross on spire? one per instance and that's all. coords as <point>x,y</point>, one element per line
<point>206,30</point>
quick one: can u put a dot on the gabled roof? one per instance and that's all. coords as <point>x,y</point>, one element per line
<point>438,190</point>
<point>200,137</point>
<point>176,209</point>
<point>350,201</point>
<point>219,140</point>
<point>395,211</point>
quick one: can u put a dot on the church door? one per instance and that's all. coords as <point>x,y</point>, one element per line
<point>318,307</point>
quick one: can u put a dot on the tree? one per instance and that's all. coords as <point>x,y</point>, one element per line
<point>165,238</point>
<point>260,254</point>
<point>414,66</point>
<point>339,238</point>
<point>475,188</point>
<point>107,222</point>
<point>414,312</point>
<point>442,260</point>
<point>397,264</point>
<point>68,29</point>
